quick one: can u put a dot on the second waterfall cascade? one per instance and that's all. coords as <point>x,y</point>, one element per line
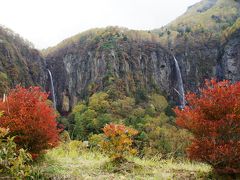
<point>52,89</point>
<point>180,88</point>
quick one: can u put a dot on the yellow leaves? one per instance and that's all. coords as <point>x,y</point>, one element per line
<point>125,141</point>
<point>118,141</point>
<point>230,30</point>
<point>95,121</point>
<point>99,102</point>
<point>3,132</point>
<point>15,161</point>
<point>133,151</point>
<point>79,108</point>
<point>159,102</point>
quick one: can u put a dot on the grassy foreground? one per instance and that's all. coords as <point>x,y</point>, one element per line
<point>71,163</point>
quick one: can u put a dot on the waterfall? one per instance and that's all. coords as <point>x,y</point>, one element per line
<point>180,88</point>
<point>52,88</point>
<point>4,97</point>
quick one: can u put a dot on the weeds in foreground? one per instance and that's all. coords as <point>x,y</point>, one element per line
<point>73,163</point>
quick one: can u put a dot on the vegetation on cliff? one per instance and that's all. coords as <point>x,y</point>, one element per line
<point>231,30</point>
<point>105,38</point>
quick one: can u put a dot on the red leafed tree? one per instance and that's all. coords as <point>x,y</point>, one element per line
<point>214,119</point>
<point>30,118</point>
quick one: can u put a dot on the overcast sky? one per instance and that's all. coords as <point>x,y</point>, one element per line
<point>47,22</point>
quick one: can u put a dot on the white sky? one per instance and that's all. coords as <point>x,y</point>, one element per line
<point>47,22</point>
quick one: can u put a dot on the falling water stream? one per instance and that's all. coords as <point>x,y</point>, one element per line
<point>180,88</point>
<point>52,88</point>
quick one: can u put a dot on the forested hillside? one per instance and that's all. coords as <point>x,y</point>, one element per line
<point>20,63</point>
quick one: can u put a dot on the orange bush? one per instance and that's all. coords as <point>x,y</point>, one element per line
<point>29,117</point>
<point>214,119</point>
<point>118,141</point>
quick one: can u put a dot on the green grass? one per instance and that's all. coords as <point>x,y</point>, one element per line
<point>60,163</point>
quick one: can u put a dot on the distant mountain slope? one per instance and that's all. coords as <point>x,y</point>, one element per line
<point>211,15</point>
<point>19,62</point>
<point>197,38</point>
<point>206,19</point>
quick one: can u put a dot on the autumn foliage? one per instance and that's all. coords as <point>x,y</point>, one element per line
<point>30,118</point>
<point>213,117</point>
<point>14,162</point>
<point>118,141</point>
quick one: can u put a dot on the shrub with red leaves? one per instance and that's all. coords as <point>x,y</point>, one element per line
<point>31,119</point>
<point>214,119</point>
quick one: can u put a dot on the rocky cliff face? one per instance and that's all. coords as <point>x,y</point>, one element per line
<point>198,59</point>
<point>196,38</point>
<point>204,56</point>
<point>19,63</point>
<point>230,57</point>
<point>111,55</point>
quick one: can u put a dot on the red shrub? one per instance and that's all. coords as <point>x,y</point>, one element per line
<point>30,118</point>
<point>214,119</point>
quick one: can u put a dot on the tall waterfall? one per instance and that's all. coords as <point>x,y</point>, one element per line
<point>52,88</point>
<point>180,88</point>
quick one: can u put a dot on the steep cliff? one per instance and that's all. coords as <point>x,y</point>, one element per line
<point>96,59</point>
<point>230,54</point>
<point>19,62</point>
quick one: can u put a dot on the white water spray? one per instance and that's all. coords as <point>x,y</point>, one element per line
<point>180,88</point>
<point>52,88</point>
